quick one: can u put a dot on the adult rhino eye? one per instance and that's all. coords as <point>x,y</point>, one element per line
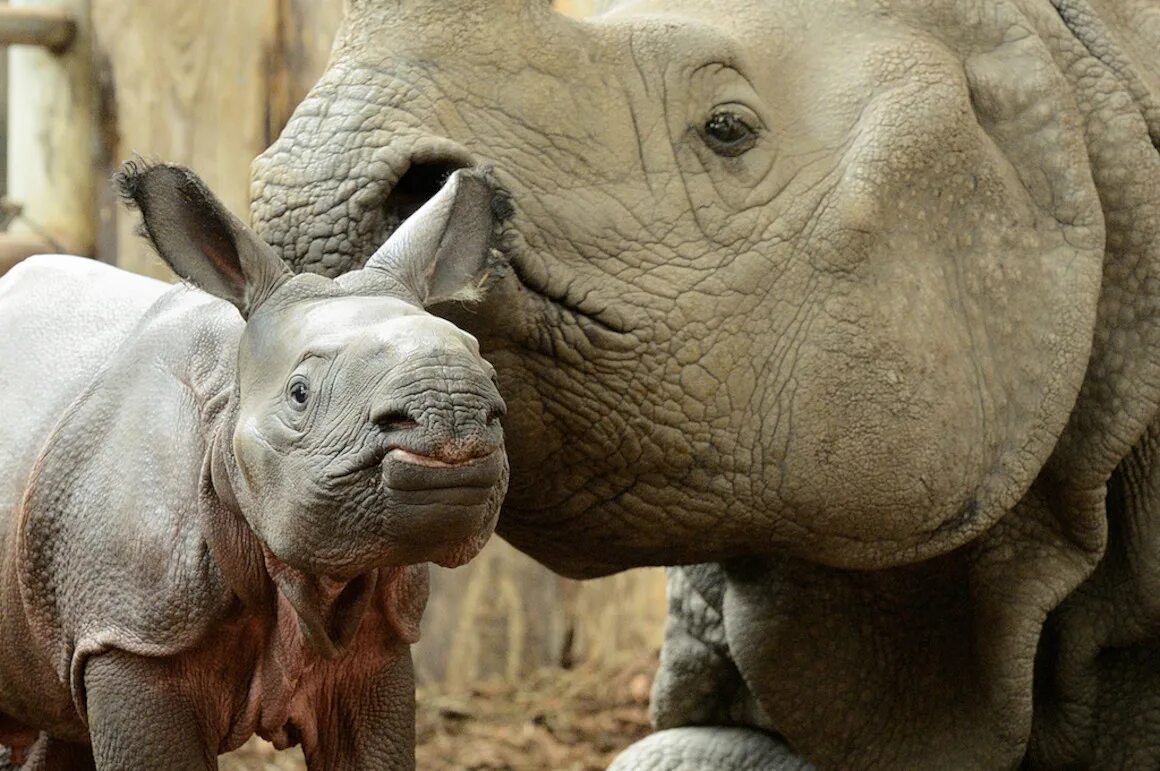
<point>727,134</point>
<point>298,393</point>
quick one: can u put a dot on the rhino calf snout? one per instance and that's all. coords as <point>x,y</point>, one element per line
<point>449,422</point>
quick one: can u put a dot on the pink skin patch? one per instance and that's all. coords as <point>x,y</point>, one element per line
<point>425,460</point>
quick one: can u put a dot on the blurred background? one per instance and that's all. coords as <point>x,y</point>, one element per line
<point>518,668</point>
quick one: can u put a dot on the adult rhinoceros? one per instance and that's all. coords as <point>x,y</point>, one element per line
<point>856,301</point>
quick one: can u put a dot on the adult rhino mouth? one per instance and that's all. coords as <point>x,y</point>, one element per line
<point>580,304</point>
<point>425,175</point>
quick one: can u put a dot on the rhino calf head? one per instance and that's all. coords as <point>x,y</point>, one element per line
<point>367,430</point>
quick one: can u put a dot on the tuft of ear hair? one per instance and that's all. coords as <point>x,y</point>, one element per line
<point>127,180</point>
<point>127,184</point>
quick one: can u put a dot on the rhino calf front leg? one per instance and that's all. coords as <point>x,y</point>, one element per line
<point>50,754</point>
<point>373,726</point>
<point>141,719</point>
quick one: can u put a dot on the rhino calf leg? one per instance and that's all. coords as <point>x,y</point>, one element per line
<point>140,720</point>
<point>719,748</point>
<point>50,754</point>
<point>372,726</point>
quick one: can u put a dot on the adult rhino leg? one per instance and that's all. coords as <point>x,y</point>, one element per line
<point>697,682</point>
<point>716,747</point>
<point>708,716</point>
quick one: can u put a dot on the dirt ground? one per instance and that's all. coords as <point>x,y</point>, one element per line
<point>558,720</point>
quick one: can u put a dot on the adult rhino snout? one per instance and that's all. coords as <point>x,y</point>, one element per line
<point>364,195</point>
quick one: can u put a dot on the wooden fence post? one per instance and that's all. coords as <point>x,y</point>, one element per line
<point>52,136</point>
<point>184,82</point>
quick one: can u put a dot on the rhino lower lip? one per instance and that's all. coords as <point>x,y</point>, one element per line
<point>407,472</point>
<point>424,460</point>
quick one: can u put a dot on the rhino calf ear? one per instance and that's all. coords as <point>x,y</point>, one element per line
<point>448,249</point>
<point>196,236</point>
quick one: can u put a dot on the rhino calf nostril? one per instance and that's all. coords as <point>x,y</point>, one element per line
<point>395,420</point>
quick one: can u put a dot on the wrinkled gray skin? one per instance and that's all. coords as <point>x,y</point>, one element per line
<point>216,512</point>
<point>856,301</point>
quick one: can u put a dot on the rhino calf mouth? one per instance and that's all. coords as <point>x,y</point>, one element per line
<point>402,475</point>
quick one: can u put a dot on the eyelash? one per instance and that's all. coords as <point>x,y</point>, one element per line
<point>728,121</point>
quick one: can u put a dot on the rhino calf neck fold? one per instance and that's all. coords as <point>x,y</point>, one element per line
<point>216,507</point>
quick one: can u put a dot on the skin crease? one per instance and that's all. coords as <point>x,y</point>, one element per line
<point>216,516</point>
<point>888,366</point>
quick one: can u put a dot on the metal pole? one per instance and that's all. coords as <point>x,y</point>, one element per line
<point>46,27</point>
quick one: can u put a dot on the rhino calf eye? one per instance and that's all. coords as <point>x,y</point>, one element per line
<point>298,393</point>
<point>728,135</point>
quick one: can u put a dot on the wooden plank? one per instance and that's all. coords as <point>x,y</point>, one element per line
<point>49,28</point>
<point>617,616</point>
<point>502,614</point>
<point>185,82</point>
<point>304,34</point>
<point>505,615</point>
<point>51,138</point>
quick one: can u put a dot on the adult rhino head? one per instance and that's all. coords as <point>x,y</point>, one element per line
<point>788,276</point>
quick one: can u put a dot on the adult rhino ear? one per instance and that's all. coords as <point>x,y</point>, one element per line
<point>448,249</point>
<point>198,237</point>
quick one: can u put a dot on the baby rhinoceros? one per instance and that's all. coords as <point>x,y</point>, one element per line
<point>216,507</point>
